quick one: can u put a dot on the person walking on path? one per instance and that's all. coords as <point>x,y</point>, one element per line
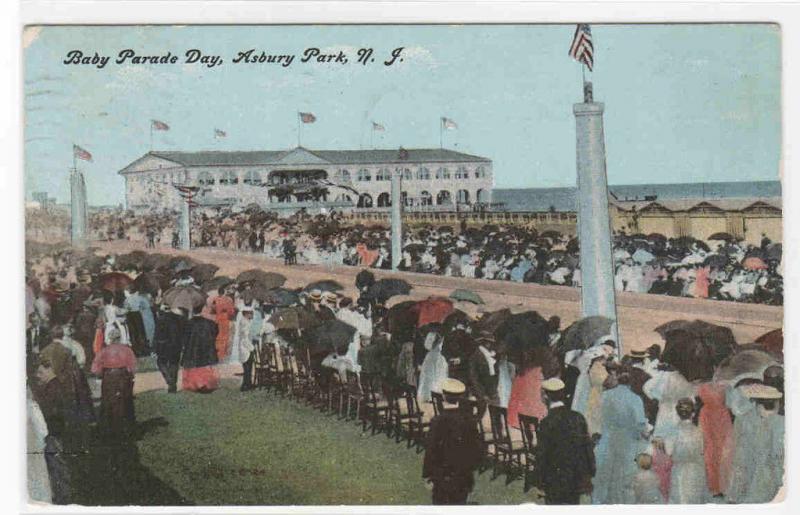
<point>168,345</point>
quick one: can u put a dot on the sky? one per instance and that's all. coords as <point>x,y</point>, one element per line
<point>683,103</point>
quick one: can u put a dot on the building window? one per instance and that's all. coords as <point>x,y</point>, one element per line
<point>343,175</point>
<point>384,200</point>
<point>252,178</point>
<point>443,198</point>
<point>365,200</point>
<point>423,174</point>
<point>205,179</point>
<point>425,198</point>
<point>383,175</point>
<point>442,173</point>
<point>407,175</point>
<point>363,176</point>
<point>480,172</point>
<point>462,173</point>
<point>462,197</point>
<point>229,177</point>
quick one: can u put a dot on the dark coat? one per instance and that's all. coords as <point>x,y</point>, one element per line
<point>199,349</point>
<point>169,335</point>
<point>482,384</point>
<point>564,453</point>
<point>454,449</point>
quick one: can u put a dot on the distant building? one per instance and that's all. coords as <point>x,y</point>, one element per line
<point>433,179</point>
<point>43,199</point>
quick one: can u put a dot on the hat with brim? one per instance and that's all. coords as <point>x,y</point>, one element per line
<point>553,384</point>
<point>452,386</point>
<point>638,354</point>
<point>330,296</point>
<point>315,295</point>
<point>761,391</point>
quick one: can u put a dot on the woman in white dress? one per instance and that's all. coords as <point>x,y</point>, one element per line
<point>688,480</point>
<point>668,387</point>
<point>434,368</point>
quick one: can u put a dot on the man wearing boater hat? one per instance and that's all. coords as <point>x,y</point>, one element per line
<point>564,450</point>
<point>454,448</point>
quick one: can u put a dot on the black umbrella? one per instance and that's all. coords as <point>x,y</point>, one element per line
<point>256,292</point>
<point>283,297</point>
<point>551,234</point>
<point>716,261</point>
<point>332,335</point>
<point>401,319</point>
<point>521,334</point>
<point>695,348</point>
<point>384,289</point>
<point>181,264</point>
<point>364,279</point>
<point>296,317</point>
<point>151,282</point>
<point>215,283</point>
<point>325,285</point>
<point>721,236</point>
<point>203,272</point>
<point>454,319</point>
<point>266,279</point>
<point>746,364</point>
<point>775,252</point>
<point>583,333</point>
<point>656,237</point>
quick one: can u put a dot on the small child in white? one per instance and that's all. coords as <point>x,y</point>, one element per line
<point>646,484</point>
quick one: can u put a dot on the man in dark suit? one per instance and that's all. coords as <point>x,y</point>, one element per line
<point>168,342</point>
<point>482,373</point>
<point>454,449</point>
<point>564,450</point>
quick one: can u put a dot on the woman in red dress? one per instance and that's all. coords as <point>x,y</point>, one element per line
<point>224,309</point>
<point>717,426</point>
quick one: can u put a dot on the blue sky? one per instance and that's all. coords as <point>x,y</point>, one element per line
<point>684,103</point>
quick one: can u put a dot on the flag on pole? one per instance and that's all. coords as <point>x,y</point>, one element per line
<point>81,153</point>
<point>158,125</point>
<point>449,124</point>
<point>378,127</point>
<point>582,49</point>
<point>220,133</point>
<point>307,117</point>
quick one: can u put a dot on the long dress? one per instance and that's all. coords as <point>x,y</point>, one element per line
<point>526,396</point>
<point>224,309</point>
<point>116,363</point>
<point>432,373</point>
<point>505,380</point>
<point>594,413</point>
<point>200,356</point>
<point>141,303</point>
<point>38,478</point>
<point>668,388</point>
<point>623,423</point>
<point>688,481</point>
<point>717,426</point>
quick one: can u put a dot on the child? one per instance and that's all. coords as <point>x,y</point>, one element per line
<point>646,483</point>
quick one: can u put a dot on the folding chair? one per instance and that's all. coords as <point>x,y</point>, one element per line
<point>527,425</point>
<point>438,402</point>
<point>375,407</point>
<point>354,395</point>
<point>507,453</point>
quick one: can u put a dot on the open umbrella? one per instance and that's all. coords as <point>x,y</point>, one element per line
<point>696,347</point>
<point>754,263</point>
<point>283,297</point>
<point>584,332</point>
<point>114,281</point>
<point>775,252</point>
<point>332,335</point>
<point>747,364</point>
<point>656,237</point>
<point>466,296</point>
<point>551,234</point>
<point>490,322</point>
<point>721,236</point>
<point>521,333</point>
<point>294,318</point>
<point>642,256</point>
<point>151,282</point>
<point>156,261</point>
<point>383,289</point>
<point>203,272</point>
<point>433,309</point>
<point>772,342</point>
<point>186,297</point>
<point>179,264</point>
<point>455,319</point>
<point>716,261</point>
<point>215,283</point>
<point>364,279</point>
<point>266,279</point>
<point>325,285</point>
<point>131,260</point>
<point>256,292</point>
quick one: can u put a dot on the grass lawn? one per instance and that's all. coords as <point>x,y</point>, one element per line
<point>232,448</point>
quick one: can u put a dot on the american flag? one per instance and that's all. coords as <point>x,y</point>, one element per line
<point>447,123</point>
<point>307,117</point>
<point>159,125</point>
<point>582,49</point>
<point>220,133</point>
<point>378,127</point>
<point>81,153</point>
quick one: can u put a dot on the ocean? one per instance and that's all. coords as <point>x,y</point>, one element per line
<point>563,199</point>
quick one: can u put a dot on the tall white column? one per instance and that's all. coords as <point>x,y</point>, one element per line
<point>397,219</point>
<point>77,192</point>
<point>594,226</point>
<point>184,226</point>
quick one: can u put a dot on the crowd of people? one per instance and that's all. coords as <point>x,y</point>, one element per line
<point>723,268</point>
<point>697,418</point>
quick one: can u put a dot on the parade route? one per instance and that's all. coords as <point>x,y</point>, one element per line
<point>638,314</point>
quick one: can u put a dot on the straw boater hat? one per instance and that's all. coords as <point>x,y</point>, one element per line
<point>330,296</point>
<point>315,295</point>
<point>761,391</point>
<point>453,386</point>
<point>553,384</point>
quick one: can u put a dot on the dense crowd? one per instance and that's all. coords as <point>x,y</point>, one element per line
<point>722,268</point>
<point>696,418</point>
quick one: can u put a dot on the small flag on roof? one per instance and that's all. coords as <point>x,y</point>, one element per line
<point>307,117</point>
<point>582,49</point>
<point>81,153</point>
<point>378,127</point>
<point>158,125</point>
<point>220,133</point>
<point>447,123</point>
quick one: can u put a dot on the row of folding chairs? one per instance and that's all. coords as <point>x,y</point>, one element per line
<point>381,406</point>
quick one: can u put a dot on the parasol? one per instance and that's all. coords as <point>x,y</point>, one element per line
<point>466,296</point>
<point>432,309</point>
<point>266,279</point>
<point>294,318</point>
<point>185,297</point>
<point>332,335</point>
<point>584,332</point>
<point>325,285</point>
<point>716,261</point>
<point>151,282</point>
<point>754,263</point>
<point>747,364</point>
<point>364,279</point>
<point>382,290</point>
<point>114,281</point>
<point>721,236</point>
<point>204,272</point>
<point>772,342</point>
<point>215,283</point>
